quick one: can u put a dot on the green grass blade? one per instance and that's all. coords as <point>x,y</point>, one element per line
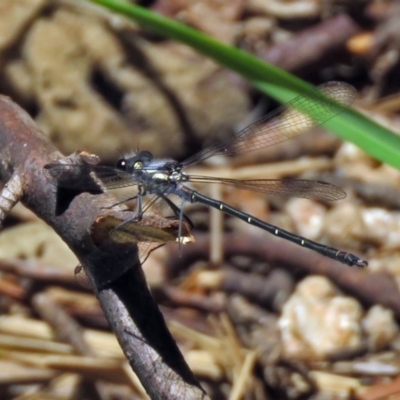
<point>376,140</point>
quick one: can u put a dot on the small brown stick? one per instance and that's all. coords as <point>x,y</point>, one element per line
<point>115,273</point>
<point>36,270</point>
<point>308,48</point>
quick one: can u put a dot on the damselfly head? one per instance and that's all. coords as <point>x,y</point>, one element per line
<point>135,162</point>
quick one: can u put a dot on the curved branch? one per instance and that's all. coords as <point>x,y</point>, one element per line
<point>114,270</point>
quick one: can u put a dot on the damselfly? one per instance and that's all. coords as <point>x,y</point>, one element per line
<point>166,177</point>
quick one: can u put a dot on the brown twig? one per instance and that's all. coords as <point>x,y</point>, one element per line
<point>37,270</point>
<point>269,291</point>
<point>305,50</point>
<point>115,273</point>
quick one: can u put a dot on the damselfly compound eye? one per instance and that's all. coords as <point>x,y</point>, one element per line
<point>121,164</point>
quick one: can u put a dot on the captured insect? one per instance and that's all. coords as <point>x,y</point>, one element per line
<point>166,177</point>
